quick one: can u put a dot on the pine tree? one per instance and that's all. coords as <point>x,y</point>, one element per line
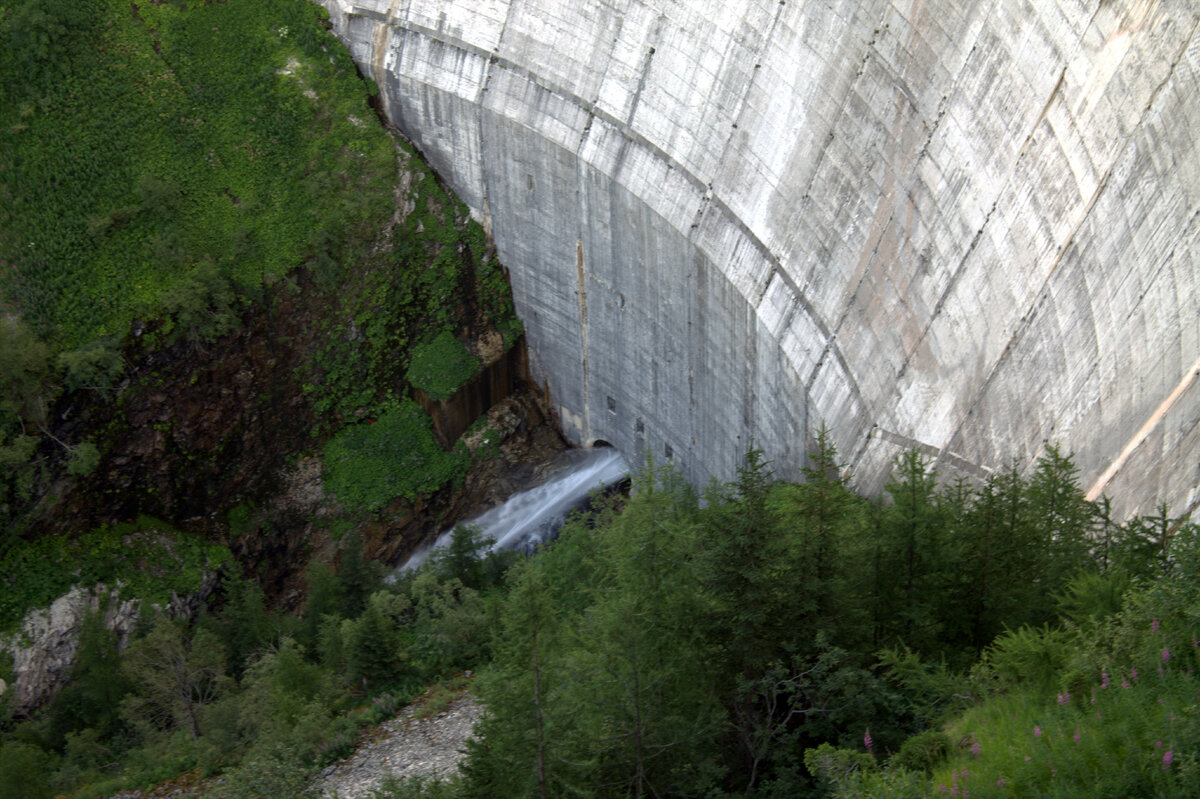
<point>913,531</point>
<point>355,577</point>
<point>517,753</point>
<point>93,693</point>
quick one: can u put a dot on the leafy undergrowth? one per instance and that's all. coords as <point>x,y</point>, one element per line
<point>149,141</point>
<point>147,558</point>
<point>441,367</point>
<point>395,455</point>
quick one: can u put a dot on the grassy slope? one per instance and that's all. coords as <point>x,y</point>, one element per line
<point>236,133</point>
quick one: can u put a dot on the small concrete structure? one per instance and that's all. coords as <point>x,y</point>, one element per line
<point>970,228</point>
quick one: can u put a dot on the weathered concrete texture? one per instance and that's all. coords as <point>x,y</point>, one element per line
<point>967,227</point>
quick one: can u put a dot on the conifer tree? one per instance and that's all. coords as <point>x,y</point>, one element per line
<point>913,533</point>
<point>355,577</point>
<point>93,693</point>
<point>517,753</point>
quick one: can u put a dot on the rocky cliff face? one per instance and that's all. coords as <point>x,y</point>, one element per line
<point>43,651</point>
<point>966,228</point>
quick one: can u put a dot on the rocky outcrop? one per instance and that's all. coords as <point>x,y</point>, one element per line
<point>969,228</point>
<point>43,651</point>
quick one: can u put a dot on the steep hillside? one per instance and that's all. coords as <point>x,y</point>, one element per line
<point>217,260</point>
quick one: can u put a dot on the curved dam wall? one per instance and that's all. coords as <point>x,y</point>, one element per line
<point>970,228</point>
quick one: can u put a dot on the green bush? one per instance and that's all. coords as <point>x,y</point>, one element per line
<point>395,455</point>
<point>441,367</point>
<point>923,751</point>
<point>24,771</point>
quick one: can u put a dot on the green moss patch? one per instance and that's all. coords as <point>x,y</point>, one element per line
<point>393,455</point>
<point>442,366</point>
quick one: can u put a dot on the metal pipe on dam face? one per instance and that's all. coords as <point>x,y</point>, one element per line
<point>970,228</point>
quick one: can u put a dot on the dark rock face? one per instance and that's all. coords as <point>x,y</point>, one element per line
<point>967,228</point>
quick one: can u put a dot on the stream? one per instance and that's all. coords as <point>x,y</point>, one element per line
<point>532,517</point>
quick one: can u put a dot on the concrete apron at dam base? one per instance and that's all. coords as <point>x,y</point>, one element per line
<point>969,228</point>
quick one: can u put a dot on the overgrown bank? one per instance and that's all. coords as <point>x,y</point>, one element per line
<point>215,260</point>
<point>222,279</point>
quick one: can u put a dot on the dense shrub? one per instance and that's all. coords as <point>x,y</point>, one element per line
<point>441,367</point>
<point>394,455</point>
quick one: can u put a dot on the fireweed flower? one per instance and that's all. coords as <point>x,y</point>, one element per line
<point>1154,626</point>
<point>1063,698</point>
<point>1037,732</point>
<point>1076,735</point>
<point>1000,783</point>
<point>1103,680</point>
<point>976,749</point>
<point>1133,674</point>
<point>1166,655</point>
<point>1168,756</point>
<point>868,742</point>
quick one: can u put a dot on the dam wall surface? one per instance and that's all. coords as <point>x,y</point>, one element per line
<point>969,228</point>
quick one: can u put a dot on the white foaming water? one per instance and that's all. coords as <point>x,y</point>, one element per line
<point>529,518</point>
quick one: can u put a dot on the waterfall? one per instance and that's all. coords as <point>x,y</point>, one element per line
<point>530,518</point>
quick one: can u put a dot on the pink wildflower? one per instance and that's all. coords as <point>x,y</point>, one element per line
<point>1063,698</point>
<point>868,742</point>
<point>1037,732</point>
<point>1000,783</point>
<point>1154,626</point>
<point>1103,680</point>
<point>1076,735</point>
<point>976,749</point>
<point>1133,674</point>
<point>1166,655</point>
<point>1167,758</point>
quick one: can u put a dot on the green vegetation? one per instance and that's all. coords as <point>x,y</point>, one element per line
<point>150,149</point>
<point>395,455</point>
<point>771,640</point>
<point>434,272</point>
<point>146,559</point>
<point>441,367</point>
<point>797,640</point>
<point>174,171</point>
<point>263,698</point>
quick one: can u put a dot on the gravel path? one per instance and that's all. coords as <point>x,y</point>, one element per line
<point>406,746</point>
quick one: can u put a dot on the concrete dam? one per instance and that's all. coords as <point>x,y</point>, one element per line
<point>968,228</point>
